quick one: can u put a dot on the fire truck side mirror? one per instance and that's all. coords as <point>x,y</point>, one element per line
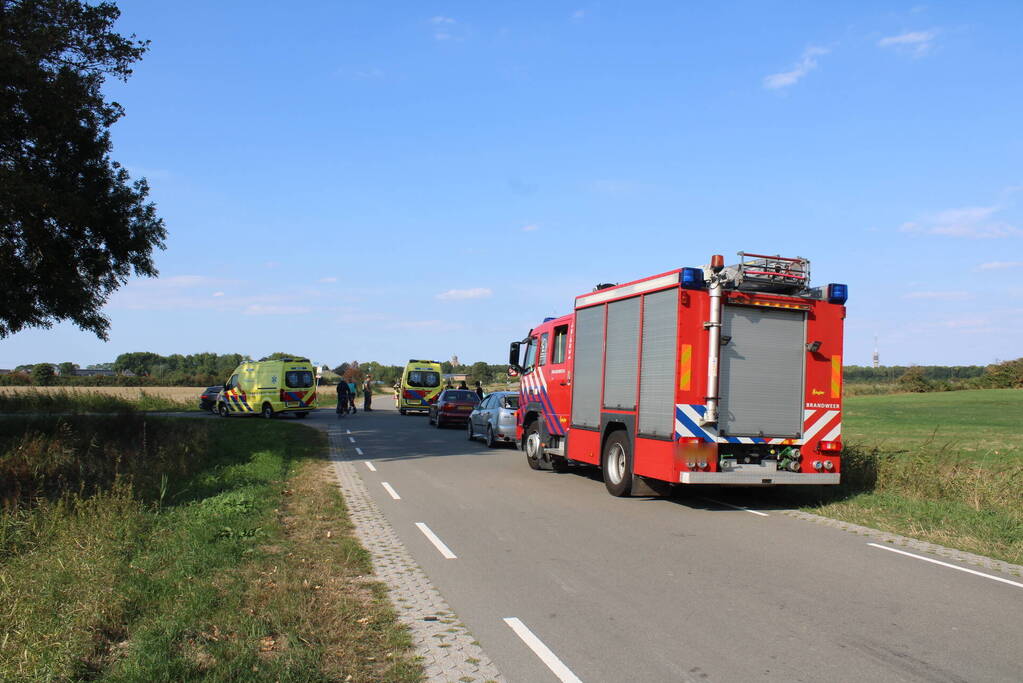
<point>513,356</point>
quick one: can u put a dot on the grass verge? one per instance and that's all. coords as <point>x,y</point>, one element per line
<point>228,557</point>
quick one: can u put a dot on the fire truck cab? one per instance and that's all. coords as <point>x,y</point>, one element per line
<point>713,375</point>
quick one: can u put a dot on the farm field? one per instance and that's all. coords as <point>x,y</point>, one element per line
<point>980,425</point>
<point>182,394</point>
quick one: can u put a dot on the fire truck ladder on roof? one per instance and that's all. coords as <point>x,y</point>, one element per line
<point>778,274</point>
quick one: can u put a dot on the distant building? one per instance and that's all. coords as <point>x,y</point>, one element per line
<point>457,377</point>
<point>454,360</point>
<point>5,372</point>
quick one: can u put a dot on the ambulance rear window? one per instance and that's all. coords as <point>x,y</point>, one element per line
<point>298,379</point>
<point>423,378</point>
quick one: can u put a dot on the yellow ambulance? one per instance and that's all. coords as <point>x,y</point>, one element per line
<point>269,387</point>
<point>420,386</point>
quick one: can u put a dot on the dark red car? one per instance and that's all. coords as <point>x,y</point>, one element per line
<point>453,406</point>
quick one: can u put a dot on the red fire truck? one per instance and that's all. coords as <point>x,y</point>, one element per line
<point>714,375</point>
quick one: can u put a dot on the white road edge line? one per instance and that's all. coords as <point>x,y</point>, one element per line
<point>556,666</point>
<point>390,489</point>
<point>437,543</point>
<point>370,466</point>
<point>737,507</point>
<point>946,564</point>
<point>359,451</point>
<point>352,439</point>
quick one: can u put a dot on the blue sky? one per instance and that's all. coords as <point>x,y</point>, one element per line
<point>381,181</point>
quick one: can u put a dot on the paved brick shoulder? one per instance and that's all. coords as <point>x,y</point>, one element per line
<point>448,650</point>
<point>912,543</point>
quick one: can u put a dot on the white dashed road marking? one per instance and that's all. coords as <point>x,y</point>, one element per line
<point>946,564</point>
<point>558,667</point>
<point>390,489</point>
<point>370,466</point>
<point>738,507</point>
<point>352,439</point>
<point>359,451</point>
<point>437,543</point>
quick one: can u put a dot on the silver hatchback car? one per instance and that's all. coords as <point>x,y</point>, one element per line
<point>494,418</point>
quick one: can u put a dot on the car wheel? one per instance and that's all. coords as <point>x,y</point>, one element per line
<point>617,464</point>
<point>438,423</point>
<point>268,411</point>
<point>531,445</point>
<point>468,430</point>
<point>491,443</point>
<point>222,409</point>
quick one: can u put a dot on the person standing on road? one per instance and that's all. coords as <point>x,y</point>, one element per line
<point>344,398</point>
<point>479,389</point>
<point>352,393</point>
<point>367,393</point>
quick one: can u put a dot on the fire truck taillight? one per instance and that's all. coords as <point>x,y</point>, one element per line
<point>830,446</point>
<point>689,440</point>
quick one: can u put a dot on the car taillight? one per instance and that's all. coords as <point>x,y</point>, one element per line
<point>205,396</point>
<point>445,406</point>
<point>830,446</point>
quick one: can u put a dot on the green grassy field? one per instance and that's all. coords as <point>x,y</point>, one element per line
<point>135,548</point>
<point>983,425</point>
<point>942,467</point>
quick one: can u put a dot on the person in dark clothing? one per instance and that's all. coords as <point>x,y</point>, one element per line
<point>344,397</point>
<point>479,389</point>
<point>367,394</point>
<point>463,385</point>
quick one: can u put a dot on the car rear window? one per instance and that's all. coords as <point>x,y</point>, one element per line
<point>511,402</point>
<point>298,379</point>
<point>457,395</point>
<point>423,378</point>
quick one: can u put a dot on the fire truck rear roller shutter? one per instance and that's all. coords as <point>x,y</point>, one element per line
<point>657,383</point>
<point>622,363</point>
<point>762,380</point>
<point>589,353</point>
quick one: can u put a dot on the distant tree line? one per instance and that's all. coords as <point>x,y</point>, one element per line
<point>924,378</point>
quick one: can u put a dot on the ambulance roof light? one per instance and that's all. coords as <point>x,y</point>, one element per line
<point>838,294</point>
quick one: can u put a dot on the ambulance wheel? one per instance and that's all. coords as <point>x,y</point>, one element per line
<point>531,444</point>
<point>402,411</point>
<point>222,410</point>
<point>617,464</point>
<point>267,411</point>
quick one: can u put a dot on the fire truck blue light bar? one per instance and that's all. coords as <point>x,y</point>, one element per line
<point>838,294</point>
<point>692,278</point>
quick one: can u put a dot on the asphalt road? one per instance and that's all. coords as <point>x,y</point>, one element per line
<point>682,589</point>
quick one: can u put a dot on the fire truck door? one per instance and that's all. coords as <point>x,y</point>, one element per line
<point>762,372</point>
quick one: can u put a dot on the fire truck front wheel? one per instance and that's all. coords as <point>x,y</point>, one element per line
<point>531,444</point>
<point>617,464</point>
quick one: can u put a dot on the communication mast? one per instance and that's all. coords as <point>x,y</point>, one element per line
<point>877,355</point>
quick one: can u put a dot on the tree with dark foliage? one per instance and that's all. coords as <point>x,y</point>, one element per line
<point>73,227</point>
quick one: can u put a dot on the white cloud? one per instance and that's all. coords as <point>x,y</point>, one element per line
<point>218,294</point>
<point>944,296</point>
<point>579,14</point>
<point>805,65</point>
<point>460,294</point>
<point>1000,265</point>
<point>917,43</point>
<point>530,228</point>
<point>972,222</point>
<point>276,309</point>
<point>442,27</point>
<point>327,280</point>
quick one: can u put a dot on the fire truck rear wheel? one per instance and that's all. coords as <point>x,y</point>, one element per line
<point>531,444</point>
<point>617,464</point>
